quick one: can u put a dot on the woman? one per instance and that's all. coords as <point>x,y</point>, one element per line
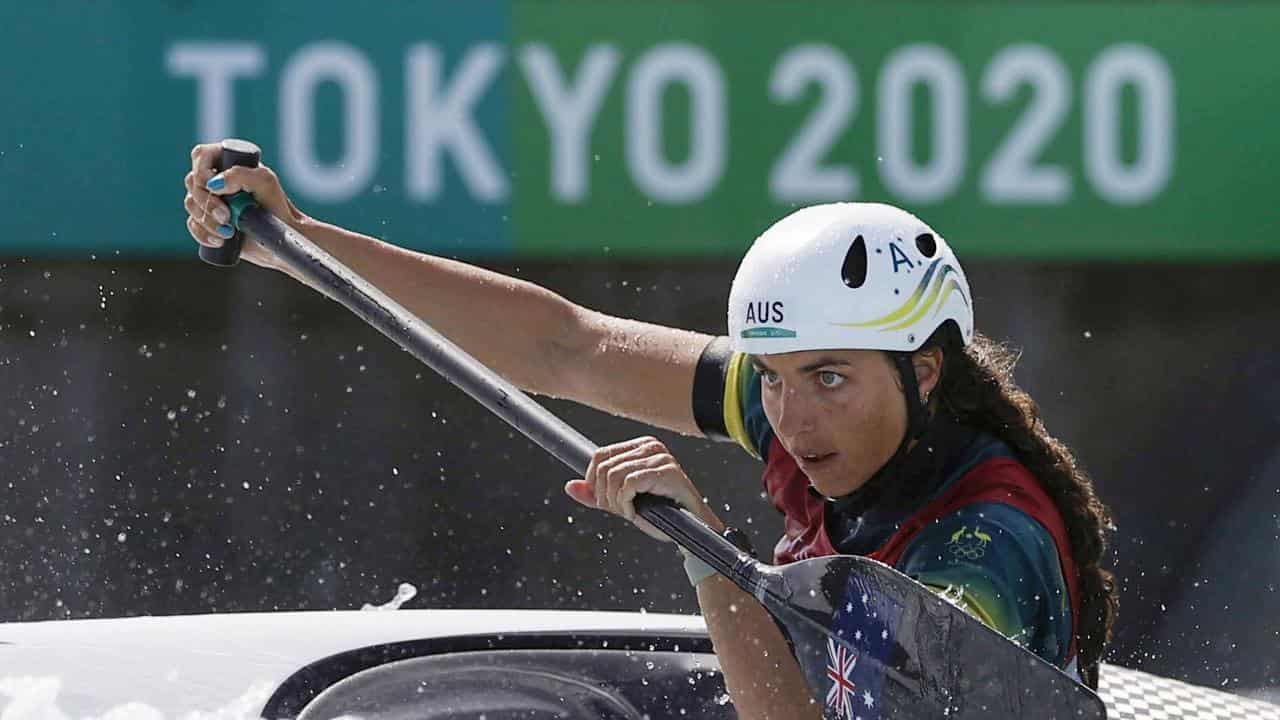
<point>888,427</point>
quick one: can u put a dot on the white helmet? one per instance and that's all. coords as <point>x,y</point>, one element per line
<point>861,276</point>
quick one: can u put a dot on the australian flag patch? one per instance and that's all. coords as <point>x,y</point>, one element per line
<point>865,625</point>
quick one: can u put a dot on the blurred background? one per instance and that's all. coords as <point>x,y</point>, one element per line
<point>176,438</point>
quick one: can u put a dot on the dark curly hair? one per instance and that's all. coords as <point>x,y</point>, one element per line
<point>978,388</point>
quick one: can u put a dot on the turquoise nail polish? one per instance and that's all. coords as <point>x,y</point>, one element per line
<point>215,183</point>
<point>226,231</point>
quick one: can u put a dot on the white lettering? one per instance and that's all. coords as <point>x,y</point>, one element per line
<point>439,120</point>
<point>653,73</point>
<point>799,175</point>
<point>215,66</point>
<point>933,67</point>
<point>1149,74</point>
<point>570,111</point>
<point>1013,175</point>
<point>354,76</point>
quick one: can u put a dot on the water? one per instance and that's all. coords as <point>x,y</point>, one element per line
<point>36,698</point>
<point>404,593</point>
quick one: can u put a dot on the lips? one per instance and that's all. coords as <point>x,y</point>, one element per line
<point>813,460</point>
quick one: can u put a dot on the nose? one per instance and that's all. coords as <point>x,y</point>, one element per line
<point>795,414</point>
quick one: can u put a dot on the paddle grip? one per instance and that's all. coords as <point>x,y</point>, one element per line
<point>234,152</point>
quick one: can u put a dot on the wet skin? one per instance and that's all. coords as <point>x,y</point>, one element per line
<point>839,413</point>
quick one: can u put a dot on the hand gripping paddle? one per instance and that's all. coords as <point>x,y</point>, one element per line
<point>870,641</point>
<point>234,152</point>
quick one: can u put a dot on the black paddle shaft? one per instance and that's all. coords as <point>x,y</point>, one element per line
<point>499,396</point>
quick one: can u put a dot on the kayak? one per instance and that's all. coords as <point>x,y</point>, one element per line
<point>433,663</point>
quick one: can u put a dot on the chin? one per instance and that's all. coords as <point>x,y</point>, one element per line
<point>824,484</point>
<point>826,487</point>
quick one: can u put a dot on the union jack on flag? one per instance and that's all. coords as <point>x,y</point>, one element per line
<point>860,649</point>
<point>840,664</point>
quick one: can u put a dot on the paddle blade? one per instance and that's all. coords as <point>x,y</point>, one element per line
<point>874,643</point>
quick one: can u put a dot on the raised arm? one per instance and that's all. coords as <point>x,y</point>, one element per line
<point>530,335</point>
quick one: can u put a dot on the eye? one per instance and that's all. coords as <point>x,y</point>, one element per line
<point>768,378</point>
<point>830,379</point>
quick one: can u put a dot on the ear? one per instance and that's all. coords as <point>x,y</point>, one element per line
<point>928,366</point>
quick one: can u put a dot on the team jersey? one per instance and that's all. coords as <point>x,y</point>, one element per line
<point>977,527</point>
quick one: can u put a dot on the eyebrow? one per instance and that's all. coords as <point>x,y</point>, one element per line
<point>759,365</point>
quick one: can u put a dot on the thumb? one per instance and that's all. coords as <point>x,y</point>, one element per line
<point>260,181</point>
<point>581,491</point>
<point>237,178</point>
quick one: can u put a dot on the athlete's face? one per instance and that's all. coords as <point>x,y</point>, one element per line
<point>840,413</point>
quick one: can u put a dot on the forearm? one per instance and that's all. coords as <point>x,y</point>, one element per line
<point>762,676</point>
<point>523,331</point>
<point>760,672</point>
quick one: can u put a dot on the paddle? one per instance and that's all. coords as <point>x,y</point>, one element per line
<point>869,640</point>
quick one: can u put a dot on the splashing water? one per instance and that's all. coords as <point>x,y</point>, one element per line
<point>35,698</point>
<point>404,594</point>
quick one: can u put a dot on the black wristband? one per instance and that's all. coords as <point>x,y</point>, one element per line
<point>708,388</point>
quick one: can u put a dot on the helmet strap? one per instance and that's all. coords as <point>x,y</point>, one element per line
<point>917,415</point>
<point>917,412</point>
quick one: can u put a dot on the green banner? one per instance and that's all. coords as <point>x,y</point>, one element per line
<point>569,129</point>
